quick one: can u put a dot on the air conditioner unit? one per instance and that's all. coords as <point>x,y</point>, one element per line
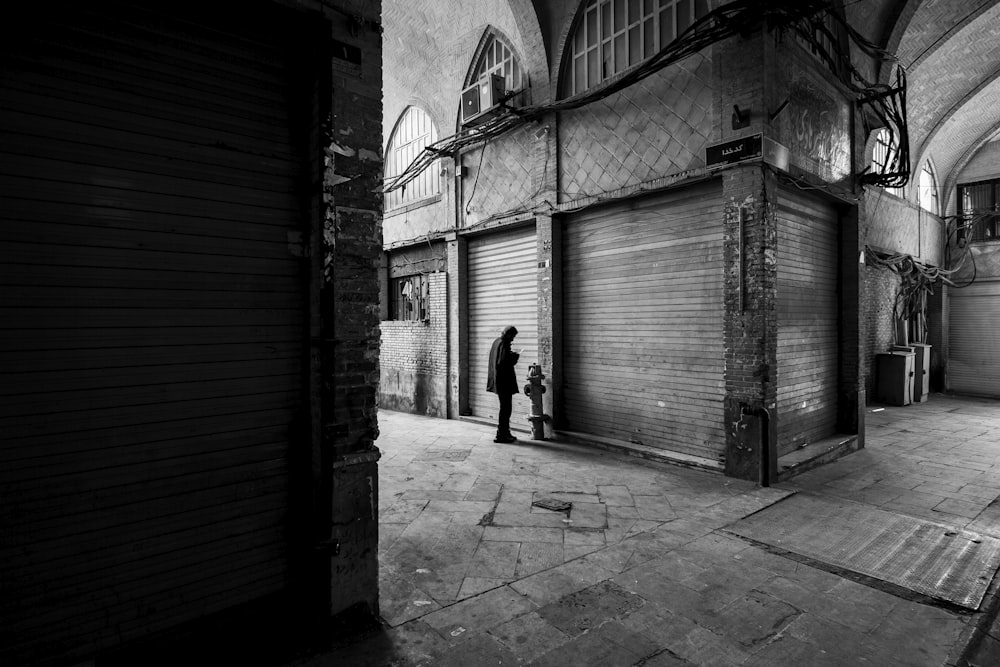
<point>481,101</point>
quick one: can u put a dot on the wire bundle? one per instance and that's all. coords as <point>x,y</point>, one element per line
<point>916,283</point>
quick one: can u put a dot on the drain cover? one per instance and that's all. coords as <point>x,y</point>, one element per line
<point>553,504</point>
<point>929,558</point>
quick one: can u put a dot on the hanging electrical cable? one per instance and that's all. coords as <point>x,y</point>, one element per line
<point>917,282</point>
<point>962,228</point>
<point>806,18</point>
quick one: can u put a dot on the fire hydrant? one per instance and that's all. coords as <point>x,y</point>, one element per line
<point>534,391</point>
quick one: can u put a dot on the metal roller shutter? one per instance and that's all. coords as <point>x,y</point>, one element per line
<point>151,319</point>
<point>974,339</point>
<point>642,309</point>
<point>503,289</point>
<point>808,319</point>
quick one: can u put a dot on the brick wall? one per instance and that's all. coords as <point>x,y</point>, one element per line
<point>879,294</point>
<point>414,358</point>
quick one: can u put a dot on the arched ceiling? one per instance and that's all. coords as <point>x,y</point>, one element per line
<point>950,50</point>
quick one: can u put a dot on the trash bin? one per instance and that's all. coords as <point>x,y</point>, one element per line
<point>894,377</point>
<point>921,371</point>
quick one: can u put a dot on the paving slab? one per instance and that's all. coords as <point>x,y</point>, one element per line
<point>529,636</point>
<point>590,608</point>
<point>612,644</point>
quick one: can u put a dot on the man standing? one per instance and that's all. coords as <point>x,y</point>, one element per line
<point>502,381</point>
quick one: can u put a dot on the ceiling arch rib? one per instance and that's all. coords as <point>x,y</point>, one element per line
<point>952,72</point>
<point>974,96</point>
<point>933,24</point>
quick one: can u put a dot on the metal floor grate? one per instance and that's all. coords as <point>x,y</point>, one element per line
<point>929,558</point>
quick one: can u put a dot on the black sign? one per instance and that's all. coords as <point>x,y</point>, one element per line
<point>736,150</point>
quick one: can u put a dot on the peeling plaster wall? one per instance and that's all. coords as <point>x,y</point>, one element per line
<point>900,226</point>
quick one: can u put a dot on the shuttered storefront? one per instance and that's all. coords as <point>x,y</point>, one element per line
<point>502,290</point>
<point>974,339</point>
<point>151,319</point>
<point>808,319</point>
<point>643,321</point>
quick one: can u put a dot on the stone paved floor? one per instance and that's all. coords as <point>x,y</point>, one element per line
<point>640,572</point>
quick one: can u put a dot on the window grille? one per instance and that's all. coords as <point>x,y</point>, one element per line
<point>410,298</point>
<point>826,40</point>
<point>613,35</point>
<point>929,190</point>
<point>496,57</point>
<point>413,132</point>
<point>980,204</point>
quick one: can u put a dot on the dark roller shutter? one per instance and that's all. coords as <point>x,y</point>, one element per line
<point>503,289</point>
<point>974,339</point>
<point>642,322</point>
<point>807,356</point>
<point>151,319</point>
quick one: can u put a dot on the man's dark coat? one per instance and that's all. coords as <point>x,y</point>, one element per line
<point>501,378</point>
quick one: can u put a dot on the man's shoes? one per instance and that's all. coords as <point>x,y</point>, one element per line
<point>505,438</point>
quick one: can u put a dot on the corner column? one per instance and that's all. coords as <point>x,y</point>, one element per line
<point>458,326</point>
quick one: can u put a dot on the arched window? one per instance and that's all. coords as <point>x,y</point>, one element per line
<point>885,156</point>
<point>827,38</point>
<point>928,190</point>
<point>414,130</point>
<point>612,35</point>
<point>496,57</point>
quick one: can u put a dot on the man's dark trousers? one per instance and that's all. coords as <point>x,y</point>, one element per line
<point>503,419</point>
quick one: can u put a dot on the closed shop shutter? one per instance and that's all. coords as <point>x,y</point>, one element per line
<point>808,319</point>
<point>151,320</point>
<point>642,321</point>
<point>974,339</point>
<point>502,290</point>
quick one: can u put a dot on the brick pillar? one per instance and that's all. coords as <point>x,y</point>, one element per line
<point>851,393</point>
<point>750,323</point>
<point>740,66</point>
<point>344,465</point>
<point>548,233</point>
<point>458,326</point>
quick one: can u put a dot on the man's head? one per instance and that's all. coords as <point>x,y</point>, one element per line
<point>509,332</point>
